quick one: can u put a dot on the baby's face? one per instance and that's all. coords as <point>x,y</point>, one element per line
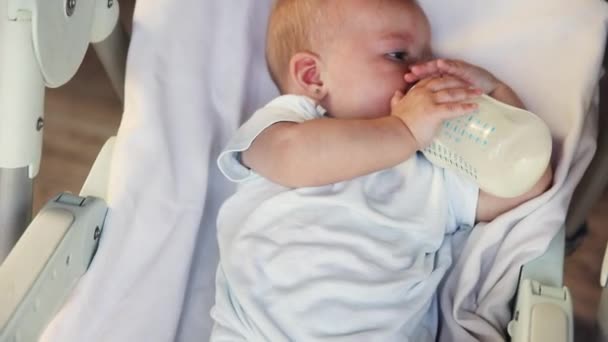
<point>373,45</point>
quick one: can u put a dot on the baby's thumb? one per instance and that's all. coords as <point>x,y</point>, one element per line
<point>396,98</point>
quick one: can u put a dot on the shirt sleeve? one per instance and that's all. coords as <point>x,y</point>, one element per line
<point>463,196</point>
<point>287,108</point>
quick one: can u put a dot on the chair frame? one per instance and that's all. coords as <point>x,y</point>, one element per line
<point>543,308</point>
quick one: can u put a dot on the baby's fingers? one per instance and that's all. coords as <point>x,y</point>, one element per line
<point>411,77</point>
<point>456,95</point>
<point>426,69</point>
<point>452,110</point>
<point>453,67</point>
<point>396,98</point>
<point>440,83</point>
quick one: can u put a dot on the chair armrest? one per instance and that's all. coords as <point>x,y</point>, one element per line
<point>46,263</point>
<point>543,309</point>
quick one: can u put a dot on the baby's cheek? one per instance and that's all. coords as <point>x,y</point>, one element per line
<point>385,93</point>
<point>363,101</point>
<point>377,104</point>
<point>381,97</point>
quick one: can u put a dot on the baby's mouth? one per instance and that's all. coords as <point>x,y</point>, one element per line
<point>409,86</point>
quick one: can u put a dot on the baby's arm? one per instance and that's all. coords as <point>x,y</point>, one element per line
<point>325,151</point>
<point>489,206</point>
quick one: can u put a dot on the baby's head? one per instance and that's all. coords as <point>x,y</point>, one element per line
<point>348,55</point>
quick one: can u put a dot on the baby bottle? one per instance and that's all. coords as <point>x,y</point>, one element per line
<point>504,149</point>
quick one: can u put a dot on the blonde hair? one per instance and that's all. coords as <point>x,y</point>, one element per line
<point>294,26</point>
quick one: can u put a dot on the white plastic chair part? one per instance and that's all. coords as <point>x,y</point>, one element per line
<point>111,43</point>
<point>21,95</point>
<point>56,223</point>
<point>105,20</point>
<point>21,123</point>
<point>46,263</point>
<point>62,31</point>
<point>41,42</point>
<point>112,53</point>
<point>604,271</point>
<point>60,228</point>
<point>602,314</point>
<point>96,184</point>
<point>544,313</point>
<point>543,309</point>
<point>15,210</point>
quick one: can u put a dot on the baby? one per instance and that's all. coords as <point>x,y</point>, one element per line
<point>339,230</point>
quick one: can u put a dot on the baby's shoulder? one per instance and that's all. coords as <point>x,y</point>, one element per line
<point>299,105</point>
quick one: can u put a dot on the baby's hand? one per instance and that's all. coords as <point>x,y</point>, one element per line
<point>433,100</point>
<point>474,75</point>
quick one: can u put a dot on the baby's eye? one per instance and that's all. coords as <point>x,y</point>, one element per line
<point>400,56</point>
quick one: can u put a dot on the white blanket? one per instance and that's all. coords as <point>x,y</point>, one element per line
<point>196,67</point>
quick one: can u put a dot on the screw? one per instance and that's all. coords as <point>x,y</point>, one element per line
<point>110,3</point>
<point>70,7</point>
<point>97,233</point>
<point>39,124</point>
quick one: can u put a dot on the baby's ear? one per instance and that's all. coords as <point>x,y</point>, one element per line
<point>305,69</point>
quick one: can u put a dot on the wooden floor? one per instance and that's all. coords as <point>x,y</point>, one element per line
<point>582,271</point>
<point>83,114</point>
<point>79,118</point>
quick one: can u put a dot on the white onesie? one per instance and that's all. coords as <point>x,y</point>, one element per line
<point>359,260</point>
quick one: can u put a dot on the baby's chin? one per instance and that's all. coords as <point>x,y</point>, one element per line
<point>361,116</point>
